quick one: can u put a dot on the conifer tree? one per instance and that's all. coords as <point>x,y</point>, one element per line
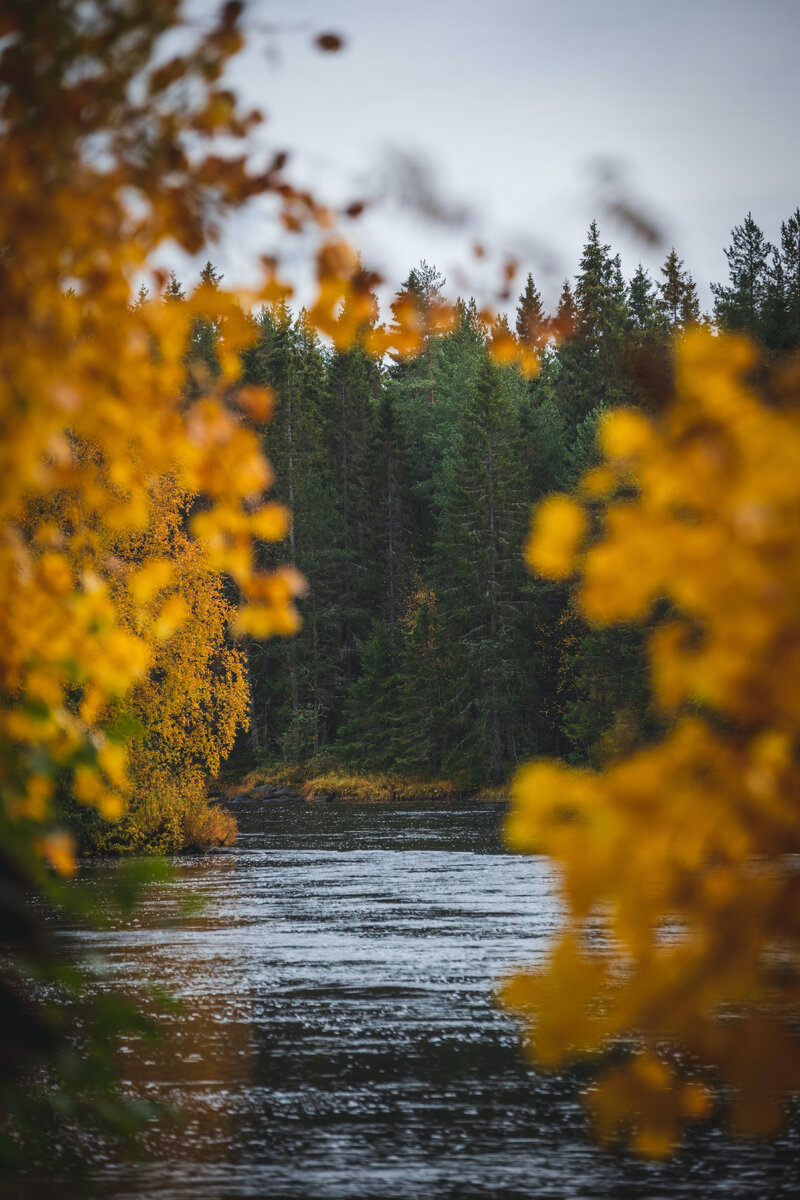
<point>174,288</point>
<point>566,313</point>
<point>599,296</point>
<point>352,391</point>
<point>478,563</point>
<point>416,399</point>
<point>426,722</point>
<point>532,325</point>
<point>774,313</point>
<point>396,534</point>
<point>205,332</point>
<point>366,734</point>
<point>790,266</point>
<point>739,304</point>
<point>677,301</point>
<point>642,302</point>
<point>588,374</point>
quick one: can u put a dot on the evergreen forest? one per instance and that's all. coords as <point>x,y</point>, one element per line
<point>427,650</point>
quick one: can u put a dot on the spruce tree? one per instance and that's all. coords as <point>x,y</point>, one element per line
<point>739,305</point>
<point>532,325</point>
<point>677,301</point>
<point>790,263</point>
<point>425,725</point>
<point>174,288</point>
<point>353,387</point>
<point>599,297</point>
<point>205,334</point>
<point>366,737</point>
<point>780,308</point>
<point>774,313</point>
<point>478,567</point>
<point>397,535</point>
<point>566,313</point>
<point>642,302</point>
<point>417,402</point>
<point>588,372</point>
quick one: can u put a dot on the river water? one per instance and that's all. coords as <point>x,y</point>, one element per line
<point>338,1036</point>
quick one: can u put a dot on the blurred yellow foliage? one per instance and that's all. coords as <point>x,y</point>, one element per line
<point>559,527</point>
<point>111,153</point>
<point>680,880</point>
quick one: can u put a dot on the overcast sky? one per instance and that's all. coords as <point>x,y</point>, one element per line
<point>514,102</point>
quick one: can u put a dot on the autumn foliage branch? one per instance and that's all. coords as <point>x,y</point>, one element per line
<point>678,862</point>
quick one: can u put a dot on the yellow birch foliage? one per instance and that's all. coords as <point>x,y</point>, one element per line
<point>194,696</point>
<point>111,152</point>
<point>681,890</point>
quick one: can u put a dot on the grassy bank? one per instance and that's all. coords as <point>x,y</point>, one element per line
<point>338,783</point>
<point>379,789</point>
<point>342,785</point>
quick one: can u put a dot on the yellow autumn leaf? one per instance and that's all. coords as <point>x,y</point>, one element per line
<point>58,849</point>
<point>624,433</point>
<point>144,583</point>
<point>559,527</point>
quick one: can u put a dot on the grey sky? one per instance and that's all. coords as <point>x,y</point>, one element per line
<point>514,101</point>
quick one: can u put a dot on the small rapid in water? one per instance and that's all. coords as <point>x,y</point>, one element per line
<point>338,1037</point>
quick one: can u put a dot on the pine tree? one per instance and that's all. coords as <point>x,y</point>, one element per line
<point>566,313</point>
<point>423,289</point>
<point>205,333</point>
<point>642,302</point>
<point>353,387</point>
<point>322,557</point>
<point>174,289</point>
<point>599,296</point>
<point>425,648</point>
<point>774,313</point>
<point>417,402</point>
<point>478,565</point>
<point>366,734</point>
<point>424,730</point>
<point>542,437</point>
<point>588,373</point>
<point>780,309</point>
<point>210,276</point>
<point>790,263</point>
<point>677,301</point>
<point>532,325</point>
<point>396,534</point>
<point>739,305</point>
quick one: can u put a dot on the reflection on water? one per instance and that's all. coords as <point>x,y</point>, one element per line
<point>338,1037</point>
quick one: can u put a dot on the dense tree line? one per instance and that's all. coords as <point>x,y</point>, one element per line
<point>426,648</point>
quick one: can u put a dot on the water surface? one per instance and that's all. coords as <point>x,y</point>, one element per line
<point>339,1037</point>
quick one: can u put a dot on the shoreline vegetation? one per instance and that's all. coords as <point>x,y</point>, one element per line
<point>169,823</point>
<point>193,824</point>
<point>312,784</point>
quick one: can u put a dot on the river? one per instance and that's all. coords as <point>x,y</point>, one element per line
<point>338,1036</point>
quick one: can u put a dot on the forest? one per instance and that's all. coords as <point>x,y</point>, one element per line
<point>427,649</point>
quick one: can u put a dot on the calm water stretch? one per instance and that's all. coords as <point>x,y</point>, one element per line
<point>338,1036</point>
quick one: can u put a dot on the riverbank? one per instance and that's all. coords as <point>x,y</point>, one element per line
<point>285,782</point>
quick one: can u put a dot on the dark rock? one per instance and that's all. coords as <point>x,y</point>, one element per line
<point>266,792</point>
